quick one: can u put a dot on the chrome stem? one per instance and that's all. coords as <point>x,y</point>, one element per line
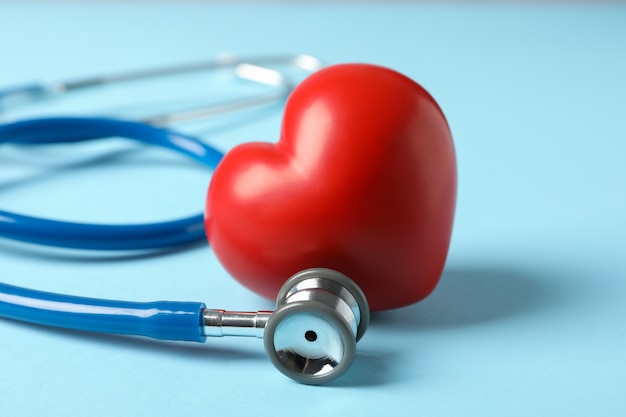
<point>257,69</point>
<point>218,323</point>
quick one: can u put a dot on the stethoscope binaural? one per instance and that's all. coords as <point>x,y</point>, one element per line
<point>320,313</point>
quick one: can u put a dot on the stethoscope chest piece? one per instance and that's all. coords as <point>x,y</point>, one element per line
<point>320,315</point>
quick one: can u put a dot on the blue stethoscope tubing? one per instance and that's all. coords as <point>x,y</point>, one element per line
<point>170,320</point>
<point>101,237</point>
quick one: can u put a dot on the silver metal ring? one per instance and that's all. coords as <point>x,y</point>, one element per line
<point>312,335</point>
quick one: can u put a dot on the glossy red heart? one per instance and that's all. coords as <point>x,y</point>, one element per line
<point>363,181</point>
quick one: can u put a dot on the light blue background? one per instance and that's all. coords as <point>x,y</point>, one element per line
<point>530,315</point>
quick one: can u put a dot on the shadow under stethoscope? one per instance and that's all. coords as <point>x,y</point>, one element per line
<point>187,350</point>
<point>367,369</point>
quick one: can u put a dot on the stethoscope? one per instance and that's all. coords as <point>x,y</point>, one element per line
<point>320,313</point>
<point>366,163</point>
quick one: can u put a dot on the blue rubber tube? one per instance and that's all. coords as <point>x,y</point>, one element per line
<point>161,319</point>
<point>167,320</point>
<point>103,237</point>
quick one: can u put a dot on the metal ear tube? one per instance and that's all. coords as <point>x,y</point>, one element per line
<point>311,337</point>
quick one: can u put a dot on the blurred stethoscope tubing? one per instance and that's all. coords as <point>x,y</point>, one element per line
<point>320,313</point>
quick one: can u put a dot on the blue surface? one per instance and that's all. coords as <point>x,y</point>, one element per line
<point>529,318</point>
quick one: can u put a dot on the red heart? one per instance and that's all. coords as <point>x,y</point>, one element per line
<point>363,181</point>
